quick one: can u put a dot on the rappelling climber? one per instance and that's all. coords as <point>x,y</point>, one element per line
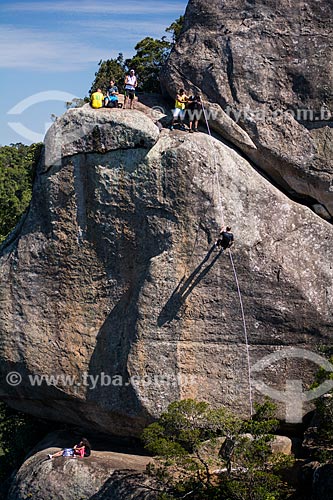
<point>225,240</point>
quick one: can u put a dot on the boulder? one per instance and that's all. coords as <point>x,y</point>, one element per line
<point>262,68</point>
<point>211,448</point>
<point>90,130</point>
<point>281,444</point>
<point>105,475</point>
<point>114,302</point>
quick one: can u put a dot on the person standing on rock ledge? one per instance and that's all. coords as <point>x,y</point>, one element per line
<point>194,110</point>
<point>225,240</point>
<point>130,86</point>
<point>179,111</point>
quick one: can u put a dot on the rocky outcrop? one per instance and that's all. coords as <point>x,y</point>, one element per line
<point>111,286</point>
<point>102,476</point>
<point>281,444</point>
<point>263,69</point>
<point>105,475</point>
<point>89,132</point>
<point>213,449</point>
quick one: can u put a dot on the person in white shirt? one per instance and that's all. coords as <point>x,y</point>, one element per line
<point>130,86</point>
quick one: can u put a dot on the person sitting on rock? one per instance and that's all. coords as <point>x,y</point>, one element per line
<point>225,240</point>
<point>97,99</point>
<point>194,108</point>
<point>179,111</point>
<point>111,99</point>
<point>130,86</point>
<point>83,449</point>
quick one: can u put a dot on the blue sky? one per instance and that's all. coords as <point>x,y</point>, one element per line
<point>49,52</point>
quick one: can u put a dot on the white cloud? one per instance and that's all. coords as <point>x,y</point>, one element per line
<point>121,30</point>
<point>145,28</point>
<point>130,7</point>
<point>37,50</point>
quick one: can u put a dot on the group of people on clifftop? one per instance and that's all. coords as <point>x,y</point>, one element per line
<point>184,104</point>
<point>191,106</point>
<point>111,100</point>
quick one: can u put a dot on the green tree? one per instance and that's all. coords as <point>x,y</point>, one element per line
<point>175,29</point>
<point>110,69</point>
<point>77,102</point>
<point>17,166</point>
<point>151,54</point>
<point>205,453</point>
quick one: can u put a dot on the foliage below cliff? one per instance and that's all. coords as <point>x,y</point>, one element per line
<point>17,165</point>
<point>207,453</point>
<point>18,434</point>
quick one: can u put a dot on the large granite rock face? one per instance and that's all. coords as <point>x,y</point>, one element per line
<point>265,69</point>
<point>111,277</point>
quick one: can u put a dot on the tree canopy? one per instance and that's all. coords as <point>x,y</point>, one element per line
<point>17,166</point>
<point>110,69</point>
<point>151,54</point>
<point>204,453</point>
<point>175,29</point>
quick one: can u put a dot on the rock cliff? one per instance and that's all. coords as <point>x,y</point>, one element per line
<point>110,283</point>
<point>264,68</point>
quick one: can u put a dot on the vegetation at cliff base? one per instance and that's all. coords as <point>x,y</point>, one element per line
<point>204,453</point>
<point>19,433</point>
<point>324,407</point>
<point>17,166</point>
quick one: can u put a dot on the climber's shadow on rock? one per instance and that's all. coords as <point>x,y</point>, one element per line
<point>184,288</point>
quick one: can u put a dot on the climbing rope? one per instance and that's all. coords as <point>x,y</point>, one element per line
<point>215,182</point>
<point>219,197</point>
<point>216,173</point>
<point>245,333</point>
<point>220,206</point>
